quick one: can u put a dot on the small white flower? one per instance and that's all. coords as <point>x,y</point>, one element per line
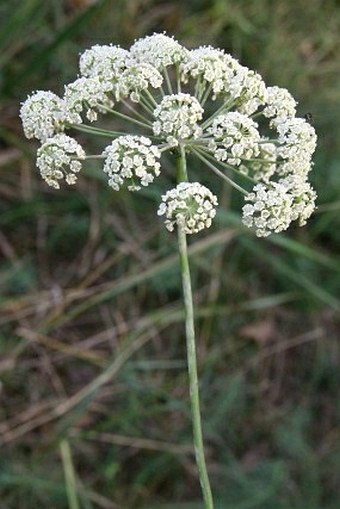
<point>297,138</point>
<point>272,208</point>
<point>133,159</point>
<point>280,103</point>
<point>269,210</point>
<point>233,78</point>
<point>58,158</point>
<point>90,94</point>
<point>136,78</point>
<point>299,167</point>
<point>235,137</point>
<point>43,114</point>
<point>265,165</point>
<point>158,50</point>
<point>303,195</point>
<point>177,118</point>
<point>190,205</point>
<point>104,62</point>
<point>252,92</point>
<point>207,64</point>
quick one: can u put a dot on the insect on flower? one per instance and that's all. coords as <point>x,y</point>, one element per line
<point>309,118</point>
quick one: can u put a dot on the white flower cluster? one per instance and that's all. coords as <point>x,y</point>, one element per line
<point>201,101</point>
<point>264,166</point>
<point>43,114</point>
<point>90,94</point>
<point>227,78</point>
<point>297,138</point>
<point>58,158</point>
<point>136,78</point>
<point>159,50</point>
<point>207,64</point>
<point>235,137</point>
<point>133,159</point>
<point>291,198</point>
<point>297,143</point>
<point>280,104</point>
<point>253,92</point>
<point>190,205</point>
<point>177,118</point>
<point>275,206</point>
<point>104,62</point>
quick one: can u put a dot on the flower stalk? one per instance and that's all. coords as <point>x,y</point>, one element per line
<point>191,348</point>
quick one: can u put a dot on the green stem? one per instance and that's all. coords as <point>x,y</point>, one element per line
<point>181,165</point>
<point>206,95</point>
<point>95,156</point>
<point>219,172</point>
<point>84,128</point>
<point>167,80</point>
<point>191,348</point>
<point>70,477</point>
<point>225,106</point>
<point>178,79</point>
<point>145,104</point>
<point>152,99</point>
<point>212,159</point>
<point>132,109</point>
<point>129,119</point>
<point>203,87</point>
<point>197,86</point>
<point>104,132</point>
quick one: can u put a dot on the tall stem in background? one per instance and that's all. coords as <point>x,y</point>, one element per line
<point>191,348</point>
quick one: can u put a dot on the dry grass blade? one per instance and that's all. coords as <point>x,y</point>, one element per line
<point>89,390</point>
<point>60,346</point>
<point>135,442</point>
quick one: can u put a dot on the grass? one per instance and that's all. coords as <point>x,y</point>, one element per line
<point>95,407</point>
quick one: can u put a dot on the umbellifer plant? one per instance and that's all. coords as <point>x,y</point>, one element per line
<point>202,102</point>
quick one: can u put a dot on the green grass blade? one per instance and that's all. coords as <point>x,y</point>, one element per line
<point>70,478</point>
<point>294,275</point>
<point>42,58</point>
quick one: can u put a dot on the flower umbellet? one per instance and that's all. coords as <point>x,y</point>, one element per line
<point>171,99</point>
<point>59,157</point>
<point>189,204</point>
<point>131,158</point>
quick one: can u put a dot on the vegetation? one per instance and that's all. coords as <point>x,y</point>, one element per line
<point>95,409</point>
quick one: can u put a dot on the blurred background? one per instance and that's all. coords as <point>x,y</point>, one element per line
<point>93,382</point>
